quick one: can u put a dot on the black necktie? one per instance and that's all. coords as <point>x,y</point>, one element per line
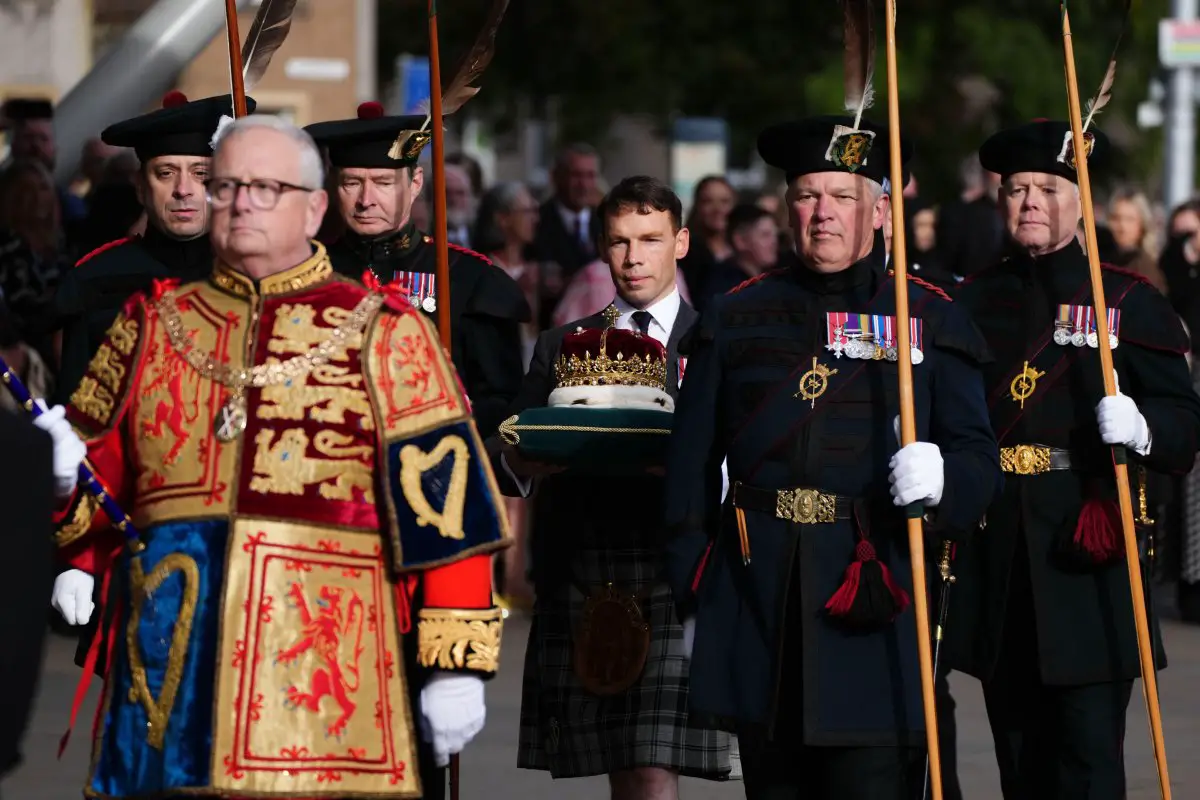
<point>642,320</point>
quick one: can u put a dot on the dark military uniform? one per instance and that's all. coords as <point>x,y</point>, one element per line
<point>90,295</point>
<point>487,307</point>
<point>807,648</point>
<point>1042,611</point>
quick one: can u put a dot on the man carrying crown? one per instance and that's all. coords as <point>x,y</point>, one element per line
<point>798,586</point>
<point>377,180</point>
<point>1042,612</point>
<point>309,608</point>
<point>605,687</point>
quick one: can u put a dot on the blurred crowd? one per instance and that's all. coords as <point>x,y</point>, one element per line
<point>545,238</point>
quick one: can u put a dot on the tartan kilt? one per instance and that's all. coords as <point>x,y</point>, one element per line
<point>572,733</point>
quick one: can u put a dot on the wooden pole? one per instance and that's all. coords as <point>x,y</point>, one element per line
<point>439,180</point>
<point>1132,560</point>
<point>236,83</point>
<point>908,426</point>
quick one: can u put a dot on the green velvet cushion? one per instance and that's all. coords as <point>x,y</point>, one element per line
<point>608,440</point>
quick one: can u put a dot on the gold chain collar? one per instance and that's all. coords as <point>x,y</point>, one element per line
<point>232,419</point>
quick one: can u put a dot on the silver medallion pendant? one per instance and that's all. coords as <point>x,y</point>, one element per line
<point>1112,341</point>
<point>917,355</point>
<point>1078,339</point>
<point>1062,337</point>
<point>891,353</point>
<point>429,304</point>
<point>415,300</point>
<point>231,419</point>
<point>1093,340</point>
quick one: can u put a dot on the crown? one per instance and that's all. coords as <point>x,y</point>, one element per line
<point>611,357</point>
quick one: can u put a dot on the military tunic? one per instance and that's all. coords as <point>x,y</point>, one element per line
<point>768,655</point>
<point>486,311</point>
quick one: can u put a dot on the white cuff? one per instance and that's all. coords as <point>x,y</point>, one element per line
<point>524,485</point>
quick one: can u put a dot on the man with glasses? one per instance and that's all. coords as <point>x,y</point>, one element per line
<point>378,180</point>
<point>174,145</point>
<point>314,515</point>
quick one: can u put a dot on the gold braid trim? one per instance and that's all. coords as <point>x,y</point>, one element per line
<point>86,507</point>
<point>451,638</point>
<point>510,432</point>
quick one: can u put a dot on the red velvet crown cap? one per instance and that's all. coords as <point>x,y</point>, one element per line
<point>370,110</point>
<point>174,99</point>
<point>618,345</point>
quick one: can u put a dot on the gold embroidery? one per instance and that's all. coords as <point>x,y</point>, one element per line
<point>295,330</point>
<point>301,402</point>
<point>123,334</point>
<point>460,639</point>
<point>81,520</point>
<point>107,367</point>
<point>93,399</point>
<point>158,710</point>
<point>414,463</point>
<point>284,468</point>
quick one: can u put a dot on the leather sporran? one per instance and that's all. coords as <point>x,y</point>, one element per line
<point>612,641</point>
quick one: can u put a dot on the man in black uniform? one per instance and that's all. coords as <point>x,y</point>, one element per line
<point>1042,611</point>
<point>798,589</point>
<point>377,181</point>
<point>174,145</point>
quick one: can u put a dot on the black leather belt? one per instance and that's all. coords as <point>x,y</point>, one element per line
<point>805,506</point>
<point>1033,459</point>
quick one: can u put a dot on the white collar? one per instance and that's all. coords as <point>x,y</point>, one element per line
<point>663,312</point>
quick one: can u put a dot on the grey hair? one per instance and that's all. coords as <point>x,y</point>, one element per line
<point>312,168</point>
<point>499,199</point>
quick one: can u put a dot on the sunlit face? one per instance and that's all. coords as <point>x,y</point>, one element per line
<point>1125,223</point>
<point>375,202</point>
<point>171,189</point>
<point>641,251</point>
<point>834,216</point>
<point>713,204</point>
<point>1041,211</point>
<point>242,230</point>
<point>758,243</point>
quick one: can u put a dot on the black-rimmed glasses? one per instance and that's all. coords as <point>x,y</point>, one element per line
<point>263,193</point>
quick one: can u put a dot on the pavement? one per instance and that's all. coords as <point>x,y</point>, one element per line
<point>489,764</point>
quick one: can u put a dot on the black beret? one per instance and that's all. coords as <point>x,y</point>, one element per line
<point>1044,146</point>
<point>810,145</point>
<point>367,141</point>
<point>179,128</point>
<point>23,108</point>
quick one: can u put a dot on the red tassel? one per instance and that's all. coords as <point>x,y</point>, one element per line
<point>700,569</point>
<point>1098,532</point>
<point>869,595</point>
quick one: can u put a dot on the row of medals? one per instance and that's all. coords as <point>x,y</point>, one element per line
<point>865,347</point>
<point>1065,335</point>
<point>429,304</point>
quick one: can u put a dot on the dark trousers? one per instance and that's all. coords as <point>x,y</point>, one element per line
<point>947,735</point>
<point>782,771</point>
<point>1052,742</point>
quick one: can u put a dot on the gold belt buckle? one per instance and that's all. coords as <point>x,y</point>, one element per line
<point>805,506</point>
<point>1025,459</point>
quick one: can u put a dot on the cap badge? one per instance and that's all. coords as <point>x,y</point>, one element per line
<point>849,148</point>
<point>1067,154</point>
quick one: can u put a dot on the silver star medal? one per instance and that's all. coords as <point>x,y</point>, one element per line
<point>836,347</point>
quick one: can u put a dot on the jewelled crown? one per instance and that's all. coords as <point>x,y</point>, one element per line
<point>611,357</point>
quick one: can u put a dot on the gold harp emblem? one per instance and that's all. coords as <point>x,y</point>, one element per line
<point>414,463</point>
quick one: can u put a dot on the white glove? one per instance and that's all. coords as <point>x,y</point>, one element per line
<point>69,449</point>
<point>72,596</point>
<point>689,636</point>
<point>452,712</point>
<point>1122,423</point>
<point>918,473</point>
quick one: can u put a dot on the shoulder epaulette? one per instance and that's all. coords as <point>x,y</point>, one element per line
<point>1127,272</point>
<point>470,252</point>
<point>103,247</point>
<point>751,281</point>
<point>924,284</point>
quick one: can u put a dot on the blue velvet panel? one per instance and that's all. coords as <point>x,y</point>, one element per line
<point>128,765</point>
<point>423,544</point>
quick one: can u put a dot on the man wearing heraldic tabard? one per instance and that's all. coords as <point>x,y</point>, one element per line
<point>311,587</point>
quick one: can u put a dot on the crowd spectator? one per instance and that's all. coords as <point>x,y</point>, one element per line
<point>707,219</point>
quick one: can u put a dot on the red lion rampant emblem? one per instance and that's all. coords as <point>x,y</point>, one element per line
<point>171,413</point>
<point>326,633</point>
